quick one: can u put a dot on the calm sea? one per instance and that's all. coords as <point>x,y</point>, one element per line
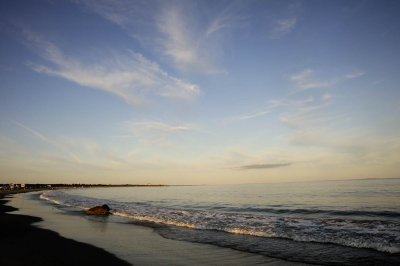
<point>353,222</point>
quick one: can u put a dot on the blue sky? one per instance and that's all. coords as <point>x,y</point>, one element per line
<point>199,92</point>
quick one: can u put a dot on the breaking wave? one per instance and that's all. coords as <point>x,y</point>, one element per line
<point>350,228</point>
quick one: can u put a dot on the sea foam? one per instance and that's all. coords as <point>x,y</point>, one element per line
<point>360,233</point>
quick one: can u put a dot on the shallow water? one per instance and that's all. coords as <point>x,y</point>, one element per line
<point>138,245</point>
<point>331,223</point>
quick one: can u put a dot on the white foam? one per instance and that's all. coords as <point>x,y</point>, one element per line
<point>239,231</point>
<point>155,220</point>
<point>378,235</point>
<point>42,196</point>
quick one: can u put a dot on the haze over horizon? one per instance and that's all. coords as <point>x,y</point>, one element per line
<point>199,92</point>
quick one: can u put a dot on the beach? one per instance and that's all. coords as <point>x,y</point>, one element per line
<point>231,224</point>
<point>205,225</point>
<point>22,243</point>
<point>27,240</point>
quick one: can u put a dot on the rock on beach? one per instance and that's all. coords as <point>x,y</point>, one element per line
<point>99,210</point>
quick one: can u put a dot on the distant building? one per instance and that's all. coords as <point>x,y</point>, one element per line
<point>23,186</point>
<point>11,186</point>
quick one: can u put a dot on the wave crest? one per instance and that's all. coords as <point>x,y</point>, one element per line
<point>375,234</point>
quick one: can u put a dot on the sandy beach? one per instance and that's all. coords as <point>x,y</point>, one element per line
<point>22,243</point>
<point>96,242</point>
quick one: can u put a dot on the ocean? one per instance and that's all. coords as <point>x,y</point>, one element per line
<point>353,222</point>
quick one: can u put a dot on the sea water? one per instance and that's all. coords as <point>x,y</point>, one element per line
<point>329,222</point>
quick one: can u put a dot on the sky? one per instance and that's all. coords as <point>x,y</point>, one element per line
<point>198,92</point>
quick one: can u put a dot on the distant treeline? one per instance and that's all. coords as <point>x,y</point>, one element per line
<point>60,185</point>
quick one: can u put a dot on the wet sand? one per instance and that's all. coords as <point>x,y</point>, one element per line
<point>24,244</point>
<point>137,245</point>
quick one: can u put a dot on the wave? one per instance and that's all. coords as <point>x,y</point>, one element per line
<point>45,197</point>
<point>378,234</point>
<point>386,214</point>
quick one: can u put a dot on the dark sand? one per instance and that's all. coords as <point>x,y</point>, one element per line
<point>21,243</point>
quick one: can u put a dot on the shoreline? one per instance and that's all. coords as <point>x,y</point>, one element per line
<point>4,193</point>
<point>135,244</point>
<point>136,238</point>
<point>22,243</point>
<point>140,244</point>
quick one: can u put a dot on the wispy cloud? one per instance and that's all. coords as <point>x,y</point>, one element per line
<point>232,16</point>
<point>327,97</point>
<point>270,107</point>
<point>306,80</point>
<point>281,27</point>
<point>61,150</point>
<point>303,115</point>
<point>352,146</point>
<point>153,126</point>
<point>192,45</point>
<point>49,141</point>
<point>174,30</point>
<point>127,75</point>
<point>251,115</point>
<point>132,16</point>
<point>263,166</point>
<point>353,75</point>
<point>284,20</point>
<point>154,132</point>
<point>315,123</point>
<point>218,24</point>
<point>295,113</point>
<point>179,44</point>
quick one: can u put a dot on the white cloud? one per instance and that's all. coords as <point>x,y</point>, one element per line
<point>218,24</point>
<point>230,17</point>
<point>306,80</point>
<point>315,123</point>
<point>111,10</point>
<point>312,113</point>
<point>174,30</point>
<point>353,75</point>
<point>303,75</point>
<point>178,43</point>
<point>192,45</point>
<point>154,132</point>
<point>154,126</point>
<point>327,97</point>
<point>315,138</point>
<point>282,27</point>
<point>251,115</point>
<point>271,106</point>
<point>128,75</point>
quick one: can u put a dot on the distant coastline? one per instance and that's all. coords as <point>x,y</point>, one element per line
<point>16,188</point>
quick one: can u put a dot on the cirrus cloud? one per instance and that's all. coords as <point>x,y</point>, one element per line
<point>154,132</point>
<point>306,80</point>
<point>173,30</point>
<point>128,75</point>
